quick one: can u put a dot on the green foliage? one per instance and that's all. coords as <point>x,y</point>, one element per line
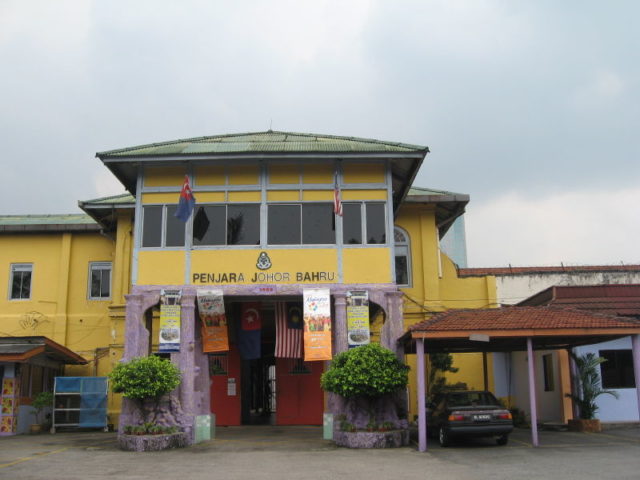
<point>367,371</point>
<point>41,401</point>
<point>590,386</point>
<point>440,363</point>
<point>145,378</point>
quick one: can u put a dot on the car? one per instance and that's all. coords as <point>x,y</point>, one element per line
<point>457,414</point>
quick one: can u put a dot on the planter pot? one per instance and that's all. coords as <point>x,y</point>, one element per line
<point>589,426</point>
<point>152,443</point>
<point>35,428</point>
<point>388,439</point>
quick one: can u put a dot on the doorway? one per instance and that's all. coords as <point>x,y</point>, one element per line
<point>264,390</point>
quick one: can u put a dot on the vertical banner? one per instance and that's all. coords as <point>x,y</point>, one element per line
<point>317,325</point>
<point>170,321</point>
<point>250,331</point>
<point>215,335</point>
<point>358,318</point>
<point>10,397</point>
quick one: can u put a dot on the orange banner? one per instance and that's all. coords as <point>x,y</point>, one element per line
<point>317,325</point>
<point>215,336</point>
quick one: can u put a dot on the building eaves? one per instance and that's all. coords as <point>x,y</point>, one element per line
<point>47,223</point>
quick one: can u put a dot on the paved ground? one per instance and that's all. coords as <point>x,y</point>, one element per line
<point>300,453</point>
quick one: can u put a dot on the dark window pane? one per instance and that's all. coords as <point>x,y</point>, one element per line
<point>209,225</point>
<point>617,371</point>
<point>284,225</point>
<point>318,224</point>
<point>402,272</point>
<point>21,283</point>
<point>351,223</point>
<point>152,226</point>
<point>376,225</point>
<point>105,283</point>
<point>174,236</point>
<point>96,279</point>
<point>243,225</point>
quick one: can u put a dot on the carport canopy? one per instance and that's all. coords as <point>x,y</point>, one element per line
<point>509,329</point>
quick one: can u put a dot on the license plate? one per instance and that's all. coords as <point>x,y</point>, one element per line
<point>481,418</point>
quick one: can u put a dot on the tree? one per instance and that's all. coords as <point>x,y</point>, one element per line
<point>145,378</point>
<point>590,384</point>
<point>440,364</point>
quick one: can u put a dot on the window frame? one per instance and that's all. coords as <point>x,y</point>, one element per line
<point>20,267</point>
<point>363,223</point>
<point>226,207</point>
<point>301,206</point>
<point>164,207</point>
<point>99,266</point>
<point>403,248</point>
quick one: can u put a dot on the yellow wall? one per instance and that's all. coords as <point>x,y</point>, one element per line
<point>435,288</point>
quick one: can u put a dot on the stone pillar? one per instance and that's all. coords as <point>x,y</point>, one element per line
<point>335,403</point>
<point>395,324</point>
<point>136,336</point>
<point>340,323</point>
<point>187,362</point>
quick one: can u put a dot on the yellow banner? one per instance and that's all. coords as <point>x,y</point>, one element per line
<point>358,317</point>
<point>170,321</point>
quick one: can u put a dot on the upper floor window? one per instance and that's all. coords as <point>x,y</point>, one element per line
<point>372,230</point>
<point>227,225</point>
<point>21,281</point>
<point>161,228</point>
<point>307,224</point>
<point>402,257</point>
<point>99,280</point>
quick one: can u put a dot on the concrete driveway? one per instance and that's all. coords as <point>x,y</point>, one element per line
<point>300,453</point>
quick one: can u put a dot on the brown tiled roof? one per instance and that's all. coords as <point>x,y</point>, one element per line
<point>476,272</point>
<point>521,318</point>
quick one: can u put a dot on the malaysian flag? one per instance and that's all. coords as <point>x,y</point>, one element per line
<point>337,203</point>
<point>288,330</point>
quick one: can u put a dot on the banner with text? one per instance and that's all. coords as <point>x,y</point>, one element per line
<point>317,325</point>
<point>358,318</point>
<point>169,321</point>
<point>215,335</point>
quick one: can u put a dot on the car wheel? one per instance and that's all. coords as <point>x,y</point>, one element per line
<point>502,439</point>
<point>443,437</point>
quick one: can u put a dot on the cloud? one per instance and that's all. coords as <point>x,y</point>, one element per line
<point>604,87</point>
<point>580,227</point>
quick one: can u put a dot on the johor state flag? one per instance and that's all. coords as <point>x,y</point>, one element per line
<point>187,201</point>
<point>288,330</point>
<point>250,332</point>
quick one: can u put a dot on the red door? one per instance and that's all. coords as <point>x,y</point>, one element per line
<point>299,398</point>
<point>224,369</point>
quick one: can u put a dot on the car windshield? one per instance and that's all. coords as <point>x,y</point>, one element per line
<point>466,399</point>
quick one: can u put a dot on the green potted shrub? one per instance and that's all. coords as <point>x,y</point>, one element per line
<point>367,378</point>
<point>590,388</point>
<point>41,401</point>
<point>145,380</point>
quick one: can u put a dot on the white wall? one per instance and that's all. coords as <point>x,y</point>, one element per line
<point>625,408</point>
<point>512,289</point>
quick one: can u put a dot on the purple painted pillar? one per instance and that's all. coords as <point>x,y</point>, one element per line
<point>532,393</point>
<point>422,417</point>
<point>635,345</point>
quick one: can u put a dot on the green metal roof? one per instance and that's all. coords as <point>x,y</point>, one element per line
<point>69,219</point>
<point>420,191</point>
<point>76,222</point>
<point>122,199</point>
<point>264,142</point>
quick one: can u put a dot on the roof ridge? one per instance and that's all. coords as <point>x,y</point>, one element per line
<point>316,136</point>
<point>111,197</point>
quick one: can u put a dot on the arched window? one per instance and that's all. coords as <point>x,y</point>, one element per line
<point>402,257</point>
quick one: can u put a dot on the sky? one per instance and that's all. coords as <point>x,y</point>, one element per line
<point>530,107</point>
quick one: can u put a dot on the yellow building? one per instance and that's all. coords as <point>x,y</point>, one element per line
<point>265,233</point>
